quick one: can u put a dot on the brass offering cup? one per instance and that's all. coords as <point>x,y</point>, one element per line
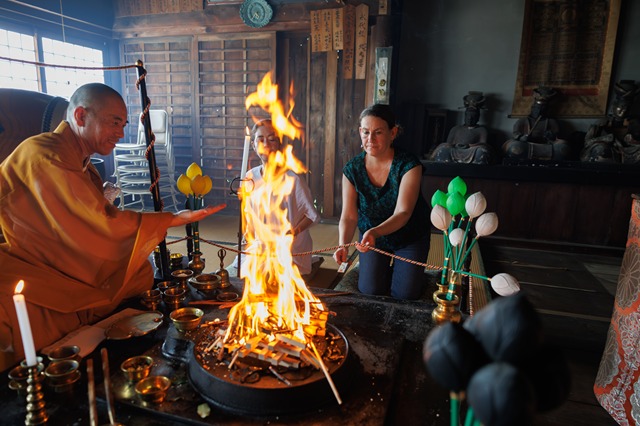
<point>174,295</point>
<point>186,319</point>
<point>65,352</point>
<point>136,368</point>
<point>181,276</point>
<point>18,378</point>
<point>165,285</point>
<point>151,298</point>
<point>175,261</point>
<point>153,389</point>
<point>61,375</point>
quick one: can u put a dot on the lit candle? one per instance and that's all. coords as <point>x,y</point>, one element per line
<point>245,154</point>
<point>25,325</point>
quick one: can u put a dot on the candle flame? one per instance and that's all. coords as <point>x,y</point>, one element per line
<point>19,287</point>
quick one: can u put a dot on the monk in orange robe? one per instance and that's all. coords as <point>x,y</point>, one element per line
<point>78,254</point>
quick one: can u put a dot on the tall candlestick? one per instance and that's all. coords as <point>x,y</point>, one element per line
<point>25,326</point>
<point>245,154</point>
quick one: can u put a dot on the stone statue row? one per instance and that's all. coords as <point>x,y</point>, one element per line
<point>615,139</point>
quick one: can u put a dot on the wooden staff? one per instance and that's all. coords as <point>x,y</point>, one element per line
<point>151,158</point>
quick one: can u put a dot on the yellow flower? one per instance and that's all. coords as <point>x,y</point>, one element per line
<point>194,182</point>
<point>184,185</point>
<point>193,170</point>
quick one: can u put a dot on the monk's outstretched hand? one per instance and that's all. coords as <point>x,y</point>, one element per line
<point>189,216</point>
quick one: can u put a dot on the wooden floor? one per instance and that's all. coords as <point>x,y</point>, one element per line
<point>573,291</point>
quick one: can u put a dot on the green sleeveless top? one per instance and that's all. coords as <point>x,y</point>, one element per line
<point>375,205</point>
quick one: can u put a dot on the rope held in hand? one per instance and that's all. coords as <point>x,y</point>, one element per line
<point>328,249</point>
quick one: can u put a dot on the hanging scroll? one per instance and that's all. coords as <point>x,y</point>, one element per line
<point>337,19</point>
<point>362,28</point>
<point>316,35</point>
<point>568,46</point>
<point>349,37</point>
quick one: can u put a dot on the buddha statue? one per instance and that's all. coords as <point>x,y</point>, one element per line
<point>615,139</point>
<point>535,137</point>
<point>467,143</point>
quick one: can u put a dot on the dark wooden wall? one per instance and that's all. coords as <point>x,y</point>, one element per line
<point>590,207</point>
<point>175,41</point>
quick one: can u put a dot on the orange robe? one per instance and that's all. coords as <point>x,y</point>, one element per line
<point>79,255</point>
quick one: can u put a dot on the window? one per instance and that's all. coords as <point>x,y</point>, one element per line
<point>13,74</point>
<point>63,81</point>
<point>55,80</point>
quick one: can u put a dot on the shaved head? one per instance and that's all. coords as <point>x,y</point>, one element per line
<point>90,95</point>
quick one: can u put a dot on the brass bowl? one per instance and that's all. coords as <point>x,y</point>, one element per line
<point>136,368</point>
<point>63,372</point>
<point>205,282</point>
<point>18,378</point>
<point>180,277</point>
<point>174,295</point>
<point>153,389</point>
<point>186,319</point>
<point>65,352</point>
<point>175,260</point>
<point>165,285</point>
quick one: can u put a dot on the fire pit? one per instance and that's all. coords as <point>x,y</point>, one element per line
<point>254,386</point>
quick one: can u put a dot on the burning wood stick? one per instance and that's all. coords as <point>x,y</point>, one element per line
<point>233,360</point>
<point>279,376</point>
<point>326,373</point>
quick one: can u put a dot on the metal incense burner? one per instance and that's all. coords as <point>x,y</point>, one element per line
<point>254,386</point>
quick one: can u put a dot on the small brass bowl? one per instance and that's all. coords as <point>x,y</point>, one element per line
<point>151,298</point>
<point>175,260</point>
<point>165,285</point>
<point>136,368</point>
<point>153,389</point>
<point>180,277</point>
<point>205,282</point>
<point>62,372</point>
<point>18,379</point>
<point>185,319</point>
<point>65,352</point>
<point>174,295</point>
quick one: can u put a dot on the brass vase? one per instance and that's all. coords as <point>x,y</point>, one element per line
<point>447,310</point>
<point>196,264</point>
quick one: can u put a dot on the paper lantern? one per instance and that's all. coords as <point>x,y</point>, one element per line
<point>505,284</point>
<point>455,203</point>
<point>475,205</point>
<point>456,236</point>
<point>440,217</point>
<point>486,224</point>
<point>457,185</point>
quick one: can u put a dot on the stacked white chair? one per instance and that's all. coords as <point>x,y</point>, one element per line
<point>132,167</point>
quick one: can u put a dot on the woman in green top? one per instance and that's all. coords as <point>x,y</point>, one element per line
<point>381,196</point>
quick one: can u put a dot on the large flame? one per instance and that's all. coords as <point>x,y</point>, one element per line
<point>276,300</point>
